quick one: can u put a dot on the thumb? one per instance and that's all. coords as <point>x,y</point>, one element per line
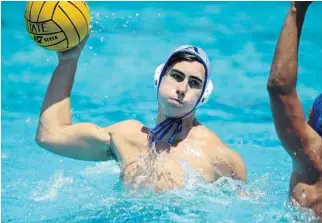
<point>82,44</point>
<point>74,52</point>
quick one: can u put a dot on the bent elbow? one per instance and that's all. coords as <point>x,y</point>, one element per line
<point>40,141</point>
<point>279,86</point>
<point>43,141</point>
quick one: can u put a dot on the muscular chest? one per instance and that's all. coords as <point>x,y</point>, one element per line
<point>155,171</point>
<point>167,170</point>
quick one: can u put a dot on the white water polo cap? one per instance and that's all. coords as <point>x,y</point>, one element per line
<point>202,57</point>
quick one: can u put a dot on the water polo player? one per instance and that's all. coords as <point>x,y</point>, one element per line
<point>301,139</point>
<point>148,158</point>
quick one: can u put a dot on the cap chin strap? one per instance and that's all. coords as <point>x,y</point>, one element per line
<point>160,130</point>
<point>164,127</point>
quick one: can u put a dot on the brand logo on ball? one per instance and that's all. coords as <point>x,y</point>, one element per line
<point>37,28</point>
<point>38,39</point>
<point>50,38</point>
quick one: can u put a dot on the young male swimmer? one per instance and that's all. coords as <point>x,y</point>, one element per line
<point>149,158</point>
<point>301,139</point>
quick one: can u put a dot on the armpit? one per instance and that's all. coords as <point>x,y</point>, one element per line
<point>111,154</point>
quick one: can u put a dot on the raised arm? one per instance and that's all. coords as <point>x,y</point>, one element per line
<point>56,132</point>
<point>302,143</point>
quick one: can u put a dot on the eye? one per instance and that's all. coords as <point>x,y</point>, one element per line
<point>195,84</point>
<point>178,77</point>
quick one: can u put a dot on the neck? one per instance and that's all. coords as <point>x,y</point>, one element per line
<point>187,123</point>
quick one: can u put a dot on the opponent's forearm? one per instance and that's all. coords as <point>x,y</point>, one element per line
<point>283,73</point>
<point>56,105</point>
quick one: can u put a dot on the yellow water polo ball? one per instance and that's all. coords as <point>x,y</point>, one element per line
<point>57,25</point>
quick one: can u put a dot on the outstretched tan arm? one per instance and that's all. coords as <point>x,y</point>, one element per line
<point>302,143</point>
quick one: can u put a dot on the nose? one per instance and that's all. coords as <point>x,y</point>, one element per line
<point>182,88</point>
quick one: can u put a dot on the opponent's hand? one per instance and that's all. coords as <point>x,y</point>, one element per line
<point>301,5</point>
<point>73,53</point>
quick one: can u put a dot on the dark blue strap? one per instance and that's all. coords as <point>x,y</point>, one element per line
<point>160,127</point>
<point>178,129</point>
<point>163,128</point>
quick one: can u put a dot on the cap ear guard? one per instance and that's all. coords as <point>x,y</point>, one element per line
<point>206,95</point>
<point>157,74</point>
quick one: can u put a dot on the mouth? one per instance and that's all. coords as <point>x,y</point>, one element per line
<point>177,101</point>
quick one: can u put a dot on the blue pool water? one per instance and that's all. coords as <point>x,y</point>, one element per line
<point>114,82</point>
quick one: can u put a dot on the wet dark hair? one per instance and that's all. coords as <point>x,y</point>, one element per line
<point>181,57</point>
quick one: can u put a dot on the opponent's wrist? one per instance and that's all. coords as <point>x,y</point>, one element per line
<point>68,62</point>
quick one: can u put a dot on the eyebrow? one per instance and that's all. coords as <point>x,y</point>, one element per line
<point>180,72</point>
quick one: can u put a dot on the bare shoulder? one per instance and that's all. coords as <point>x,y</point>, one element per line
<point>210,139</point>
<point>130,131</point>
<point>218,150</point>
<point>127,138</point>
<point>126,126</point>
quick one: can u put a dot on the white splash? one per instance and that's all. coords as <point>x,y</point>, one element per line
<point>192,177</point>
<point>101,168</point>
<point>192,152</point>
<point>48,190</point>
